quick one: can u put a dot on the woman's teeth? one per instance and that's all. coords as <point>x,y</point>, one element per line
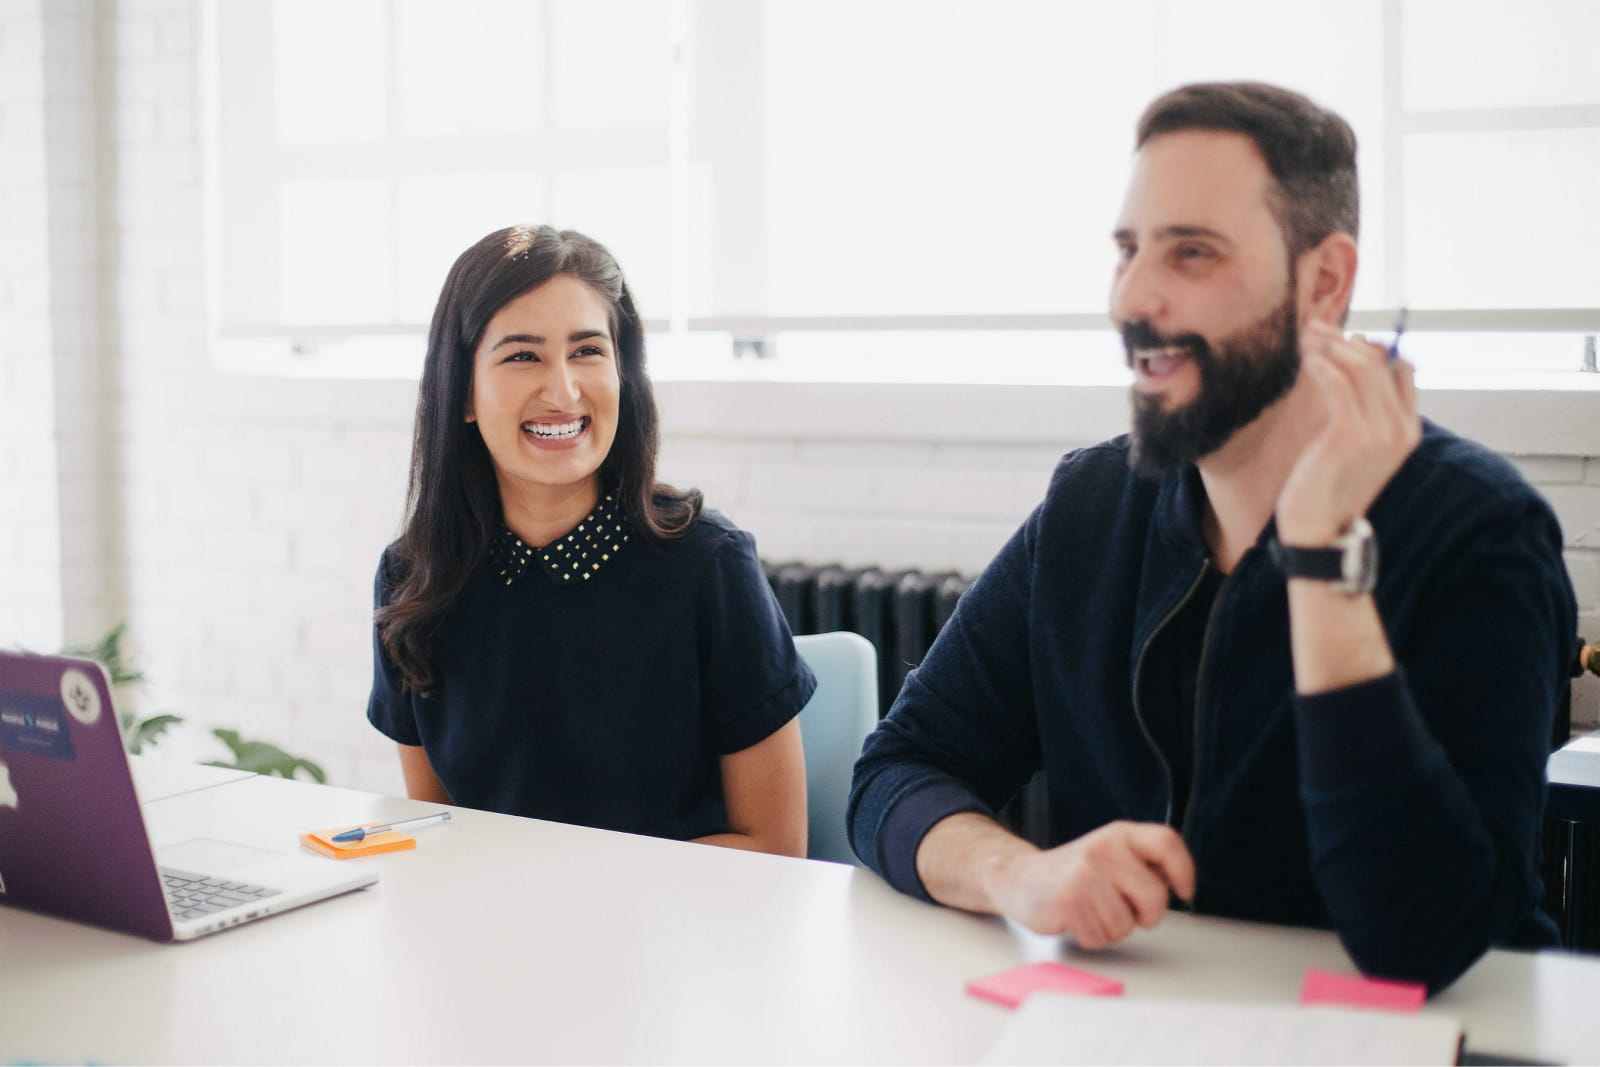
<point>556,430</point>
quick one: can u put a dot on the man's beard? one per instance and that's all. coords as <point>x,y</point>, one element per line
<point>1247,373</point>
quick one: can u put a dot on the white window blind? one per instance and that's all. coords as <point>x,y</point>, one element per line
<point>887,181</point>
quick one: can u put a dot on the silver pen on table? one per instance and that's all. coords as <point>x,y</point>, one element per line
<point>361,833</point>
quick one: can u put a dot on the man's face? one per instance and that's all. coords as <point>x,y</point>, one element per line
<point>1204,295</point>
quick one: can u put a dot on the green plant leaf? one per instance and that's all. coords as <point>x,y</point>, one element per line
<point>259,757</point>
<point>108,653</point>
<point>148,731</point>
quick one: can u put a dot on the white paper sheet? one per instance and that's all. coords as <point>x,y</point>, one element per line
<point>1056,1029</point>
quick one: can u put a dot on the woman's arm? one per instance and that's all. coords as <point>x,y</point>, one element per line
<point>421,782</point>
<point>764,787</point>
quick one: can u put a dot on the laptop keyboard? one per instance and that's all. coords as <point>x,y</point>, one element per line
<point>195,895</point>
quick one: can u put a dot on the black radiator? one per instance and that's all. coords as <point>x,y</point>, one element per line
<point>900,612</point>
<point>1571,853</point>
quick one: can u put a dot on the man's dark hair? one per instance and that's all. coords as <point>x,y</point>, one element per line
<point>1310,150</point>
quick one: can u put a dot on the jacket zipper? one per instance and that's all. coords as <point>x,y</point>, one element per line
<point>1199,702</point>
<point>1138,673</point>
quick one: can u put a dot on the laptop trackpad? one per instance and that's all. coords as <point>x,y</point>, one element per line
<point>205,855</point>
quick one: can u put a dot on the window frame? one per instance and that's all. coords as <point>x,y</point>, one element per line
<point>394,349</point>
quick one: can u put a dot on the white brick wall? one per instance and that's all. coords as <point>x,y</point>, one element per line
<point>85,398</point>
<point>30,577</point>
<point>247,514</point>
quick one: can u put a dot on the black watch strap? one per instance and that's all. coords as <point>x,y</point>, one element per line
<point>1323,564</point>
<point>1350,563</point>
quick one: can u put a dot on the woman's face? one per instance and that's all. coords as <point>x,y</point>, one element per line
<point>546,387</point>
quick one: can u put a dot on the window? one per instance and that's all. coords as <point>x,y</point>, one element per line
<point>360,146</point>
<point>879,190</point>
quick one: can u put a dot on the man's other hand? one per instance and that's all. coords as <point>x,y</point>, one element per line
<point>1099,887</point>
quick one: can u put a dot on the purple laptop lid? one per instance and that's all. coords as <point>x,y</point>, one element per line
<point>72,838</point>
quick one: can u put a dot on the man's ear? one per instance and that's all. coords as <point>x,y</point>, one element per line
<point>1327,278</point>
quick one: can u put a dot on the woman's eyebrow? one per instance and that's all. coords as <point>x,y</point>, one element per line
<point>535,339</point>
<point>518,339</point>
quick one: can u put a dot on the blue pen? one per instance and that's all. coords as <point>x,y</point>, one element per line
<point>1399,330</point>
<point>361,833</point>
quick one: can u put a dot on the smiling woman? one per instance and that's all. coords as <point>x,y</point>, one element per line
<point>557,634</point>
<point>545,396</point>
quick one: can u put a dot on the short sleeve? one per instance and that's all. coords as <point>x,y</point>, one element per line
<point>388,707</point>
<point>752,679</point>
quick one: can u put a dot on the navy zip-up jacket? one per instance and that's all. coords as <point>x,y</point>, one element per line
<point>1402,812</point>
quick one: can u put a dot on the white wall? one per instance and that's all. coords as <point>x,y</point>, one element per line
<point>244,515</point>
<point>30,530</point>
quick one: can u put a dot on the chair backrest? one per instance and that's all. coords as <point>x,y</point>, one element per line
<point>834,724</point>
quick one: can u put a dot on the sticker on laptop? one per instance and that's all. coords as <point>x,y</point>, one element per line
<point>80,696</point>
<point>35,725</point>
<point>8,792</point>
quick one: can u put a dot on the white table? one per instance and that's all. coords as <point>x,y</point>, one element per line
<point>506,939</point>
<point>156,779</point>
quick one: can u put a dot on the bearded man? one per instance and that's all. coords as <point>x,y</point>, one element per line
<point>1239,704</point>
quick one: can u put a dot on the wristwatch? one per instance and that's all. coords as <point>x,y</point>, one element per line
<point>1351,563</point>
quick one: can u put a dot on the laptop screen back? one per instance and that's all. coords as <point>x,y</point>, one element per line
<point>72,837</point>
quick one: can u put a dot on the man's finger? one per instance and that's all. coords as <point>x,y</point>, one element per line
<point>1338,393</point>
<point>1365,368</point>
<point>1116,917</point>
<point>1161,847</point>
<point>1143,887</point>
<point>1085,925</point>
<point>1405,377</point>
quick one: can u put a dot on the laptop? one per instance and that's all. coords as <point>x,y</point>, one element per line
<point>73,841</point>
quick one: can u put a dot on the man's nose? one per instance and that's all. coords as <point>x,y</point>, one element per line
<point>1136,293</point>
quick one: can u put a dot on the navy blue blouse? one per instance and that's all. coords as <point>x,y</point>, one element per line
<point>598,679</point>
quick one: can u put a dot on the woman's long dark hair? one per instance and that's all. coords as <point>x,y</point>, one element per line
<point>453,510</point>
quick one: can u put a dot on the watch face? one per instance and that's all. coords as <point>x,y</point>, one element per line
<point>1360,558</point>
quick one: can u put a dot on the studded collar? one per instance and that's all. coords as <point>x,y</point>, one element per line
<point>575,557</point>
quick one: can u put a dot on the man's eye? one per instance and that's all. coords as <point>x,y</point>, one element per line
<point>1193,252</point>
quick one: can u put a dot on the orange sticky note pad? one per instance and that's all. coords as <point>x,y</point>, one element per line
<point>1354,991</point>
<point>1012,987</point>
<point>322,841</point>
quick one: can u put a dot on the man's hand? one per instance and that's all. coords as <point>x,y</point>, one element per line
<point>1372,427</point>
<point>1098,887</point>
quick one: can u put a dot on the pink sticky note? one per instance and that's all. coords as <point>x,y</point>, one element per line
<point>1012,987</point>
<point>1351,990</point>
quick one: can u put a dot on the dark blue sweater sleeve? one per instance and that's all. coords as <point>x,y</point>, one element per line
<point>1424,790</point>
<point>753,679</point>
<point>961,735</point>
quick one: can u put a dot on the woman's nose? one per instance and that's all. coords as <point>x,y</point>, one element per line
<point>560,385</point>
